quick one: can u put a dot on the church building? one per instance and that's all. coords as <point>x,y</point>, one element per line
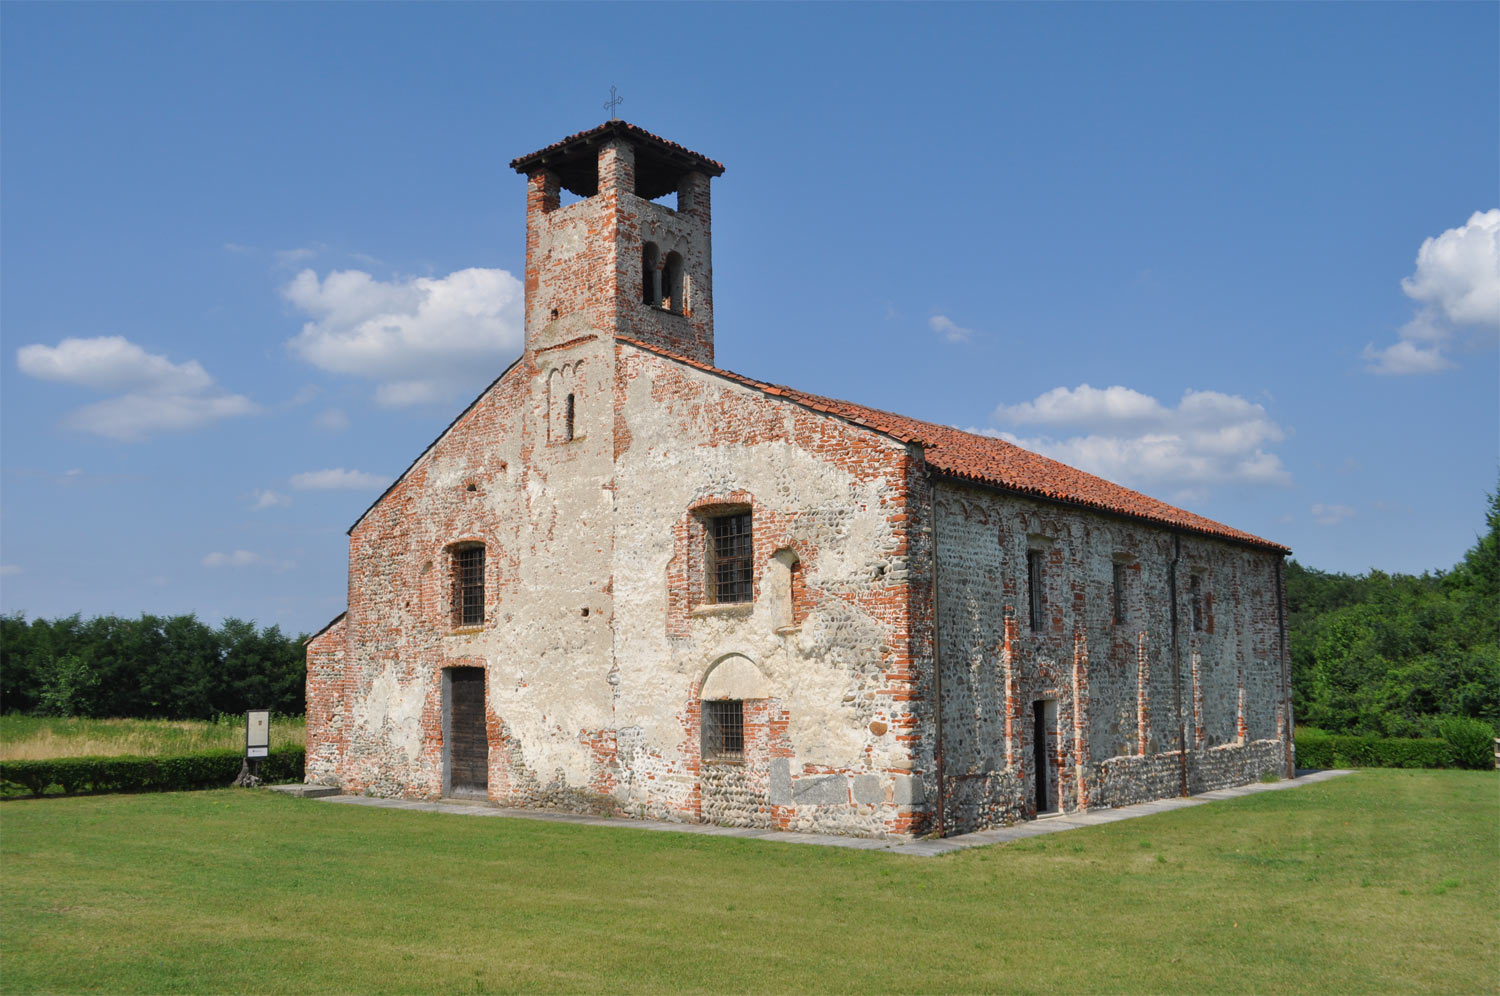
<point>625,580</point>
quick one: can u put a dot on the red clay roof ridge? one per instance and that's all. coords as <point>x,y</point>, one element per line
<point>993,461</point>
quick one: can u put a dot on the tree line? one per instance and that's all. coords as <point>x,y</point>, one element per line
<point>155,667</point>
<point>1393,654</point>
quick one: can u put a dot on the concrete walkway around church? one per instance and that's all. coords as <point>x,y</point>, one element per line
<point>917,848</point>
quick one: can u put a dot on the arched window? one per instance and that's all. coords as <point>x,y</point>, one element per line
<point>785,589</point>
<point>672,286</point>
<point>568,420</point>
<point>650,275</point>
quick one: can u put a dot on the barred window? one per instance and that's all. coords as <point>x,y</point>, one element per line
<point>724,730</point>
<point>731,554</point>
<point>468,586</point>
<point>1034,587</point>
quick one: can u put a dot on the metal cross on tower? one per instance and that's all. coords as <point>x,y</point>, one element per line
<point>615,100</point>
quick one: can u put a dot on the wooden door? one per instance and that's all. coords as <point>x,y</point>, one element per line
<point>466,747</point>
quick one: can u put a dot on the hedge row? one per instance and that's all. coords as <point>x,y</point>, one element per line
<point>207,769</point>
<point>1323,750</point>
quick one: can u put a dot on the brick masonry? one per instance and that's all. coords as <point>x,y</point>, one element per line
<point>600,643</point>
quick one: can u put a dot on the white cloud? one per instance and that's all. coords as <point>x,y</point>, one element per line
<point>1086,406</point>
<point>1459,271</point>
<point>1126,436</point>
<point>156,394</point>
<point>10,570</point>
<point>245,558</point>
<point>422,339</point>
<point>1405,357</point>
<point>268,499</point>
<point>1332,515</point>
<point>111,363</point>
<point>1456,283</point>
<point>332,420</point>
<point>949,329</point>
<point>132,418</point>
<point>337,477</point>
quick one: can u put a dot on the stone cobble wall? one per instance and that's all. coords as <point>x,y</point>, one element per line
<point>1123,781</point>
<point>327,704</point>
<point>734,794</point>
<point>1119,699</point>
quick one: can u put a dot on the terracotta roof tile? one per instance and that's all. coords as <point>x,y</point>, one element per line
<point>995,462</point>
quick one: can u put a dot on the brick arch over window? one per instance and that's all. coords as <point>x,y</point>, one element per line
<point>734,676</point>
<point>731,704</point>
<point>772,530</point>
<point>566,404</point>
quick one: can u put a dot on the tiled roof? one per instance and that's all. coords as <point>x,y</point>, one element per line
<point>995,462</point>
<point>522,164</point>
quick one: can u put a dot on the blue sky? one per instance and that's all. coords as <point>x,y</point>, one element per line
<point>1241,257</point>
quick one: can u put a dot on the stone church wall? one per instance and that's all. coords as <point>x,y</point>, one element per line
<point>1114,686</point>
<point>831,742</point>
<point>597,642</point>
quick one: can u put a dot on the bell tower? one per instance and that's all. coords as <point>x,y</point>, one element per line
<point>618,260</point>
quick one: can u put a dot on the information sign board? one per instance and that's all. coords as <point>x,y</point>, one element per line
<point>257,733</point>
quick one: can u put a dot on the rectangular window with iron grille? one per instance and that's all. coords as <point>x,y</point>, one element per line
<point>724,730</point>
<point>731,557</point>
<point>468,586</point>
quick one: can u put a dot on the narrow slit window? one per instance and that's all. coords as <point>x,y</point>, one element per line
<point>650,275</point>
<point>731,561</point>
<point>1195,589</point>
<point>568,420</point>
<point>1034,587</point>
<point>672,284</point>
<point>724,730</point>
<point>468,586</point>
<point>1119,593</point>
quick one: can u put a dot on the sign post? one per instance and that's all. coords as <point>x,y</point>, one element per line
<point>257,746</point>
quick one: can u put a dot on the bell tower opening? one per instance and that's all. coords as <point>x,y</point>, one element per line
<point>621,260</point>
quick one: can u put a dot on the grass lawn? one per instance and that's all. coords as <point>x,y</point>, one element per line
<point>1381,881</point>
<point>34,738</point>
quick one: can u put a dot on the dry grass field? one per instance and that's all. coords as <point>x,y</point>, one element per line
<point>35,738</point>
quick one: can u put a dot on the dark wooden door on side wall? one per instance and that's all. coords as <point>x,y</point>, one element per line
<point>465,739</point>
